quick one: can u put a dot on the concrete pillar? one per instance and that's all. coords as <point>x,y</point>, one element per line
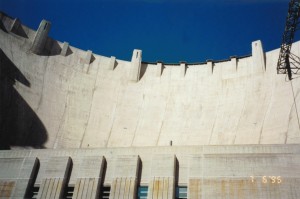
<point>162,179</point>
<point>41,37</point>
<point>124,182</point>
<point>182,68</point>
<point>258,57</point>
<point>27,176</point>
<point>87,173</point>
<point>136,62</point>
<point>159,68</point>
<point>87,61</point>
<point>88,57</point>
<point>195,176</point>
<point>17,176</point>
<point>64,49</point>
<point>210,66</point>
<point>15,25</point>
<point>112,62</point>
<point>55,173</point>
<point>233,60</point>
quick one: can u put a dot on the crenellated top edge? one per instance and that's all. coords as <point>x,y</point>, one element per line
<point>10,24</point>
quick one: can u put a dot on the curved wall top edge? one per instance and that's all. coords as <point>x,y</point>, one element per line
<point>84,100</point>
<point>9,22</point>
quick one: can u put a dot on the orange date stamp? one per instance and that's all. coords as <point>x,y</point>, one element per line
<point>267,179</point>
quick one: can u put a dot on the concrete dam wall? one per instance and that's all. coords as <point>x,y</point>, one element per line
<point>135,130</point>
<point>54,95</point>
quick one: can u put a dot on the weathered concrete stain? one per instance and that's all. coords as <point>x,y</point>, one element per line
<point>194,189</point>
<point>156,188</point>
<point>232,188</point>
<point>6,188</point>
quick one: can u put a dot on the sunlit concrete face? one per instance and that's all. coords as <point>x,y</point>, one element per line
<point>219,129</point>
<point>82,100</point>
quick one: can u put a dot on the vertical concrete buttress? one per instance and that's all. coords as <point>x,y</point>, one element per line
<point>233,60</point>
<point>124,183</point>
<point>87,61</point>
<point>55,172</point>
<point>136,62</point>
<point>17,176</point>
<point>210,66</point>
<point>88,57</point>
<point>162,179</point>
<point>258,57</point>
<point>64,50</point>
<point>112,62</point>
<point>159,69</point>
<point>88,173</point>
<point>182,68</point>
<point>41,37</point>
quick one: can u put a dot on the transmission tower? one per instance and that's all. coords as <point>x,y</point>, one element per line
<point>289,63</point>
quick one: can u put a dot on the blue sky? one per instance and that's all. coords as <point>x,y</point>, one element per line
<point>166,30</point>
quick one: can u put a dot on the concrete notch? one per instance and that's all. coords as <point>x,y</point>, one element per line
<point>258,57</point>
<point>41,37</point>
<point>65,48</point>
<point>136,62</point>
<point>234,61</point>
<point>183,68</point>
<point>88,57</point>
<point>210,65</point>
<point>159,69</point>
<point>112,63</point>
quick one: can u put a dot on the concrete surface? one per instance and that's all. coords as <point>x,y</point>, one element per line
<point>206,171</point>
<point>223,129</point>
<point>162,180</point>
<point>54,176</point>
<point>83,100</point>
<point>125,175</point>
<point>16,176</point>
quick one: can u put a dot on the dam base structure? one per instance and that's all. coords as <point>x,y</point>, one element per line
<point>82,125</point>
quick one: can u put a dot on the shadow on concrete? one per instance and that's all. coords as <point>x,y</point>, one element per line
<point>69,51</point>
<point>115,65</point>
<point>265,61</point>
<point>143,70</point>
<point>176,171</point>
<point>52,48</point>
<point>19,124</point>
<point>31,189</point>
<point>93,58</point>
<point>162,70</point>
<point>140,170</point>
<point>2,27</point>
<point>185,70</point>
<point>20,31</point>
<point>213,67</point>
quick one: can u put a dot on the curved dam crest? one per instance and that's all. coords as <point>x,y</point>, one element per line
<point>88,126</point>
<point>81,100</point>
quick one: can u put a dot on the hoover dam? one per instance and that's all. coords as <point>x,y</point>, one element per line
<point>74,124</point>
